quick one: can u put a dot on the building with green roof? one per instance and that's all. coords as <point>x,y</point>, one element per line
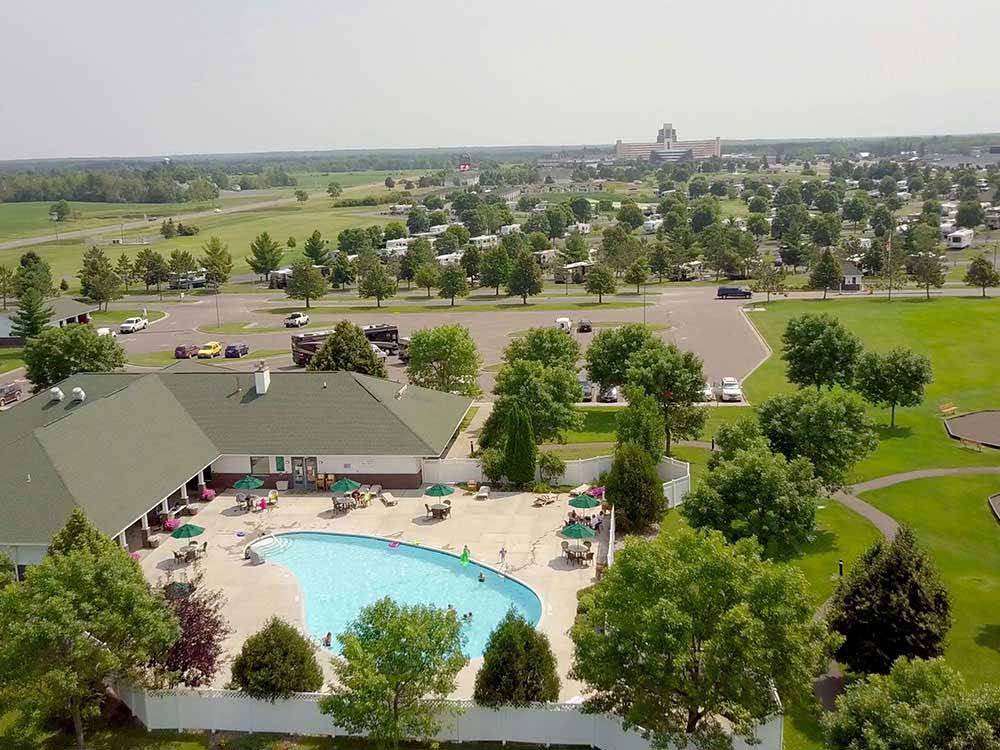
<point>128,447</point>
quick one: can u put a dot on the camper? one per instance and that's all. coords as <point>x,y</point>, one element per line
<point>960,239</point>
<point>507,229</point>
<point>651,225</point>
<point>396,246</point>
<point>485,241</point>
<point>572,273</point>
<point>564,324</point>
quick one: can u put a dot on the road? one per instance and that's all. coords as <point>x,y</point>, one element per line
<point>139,224</point>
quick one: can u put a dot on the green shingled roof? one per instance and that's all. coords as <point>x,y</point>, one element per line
<point>136,438</point>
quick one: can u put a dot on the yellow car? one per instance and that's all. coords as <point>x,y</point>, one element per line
<point>209,350</point>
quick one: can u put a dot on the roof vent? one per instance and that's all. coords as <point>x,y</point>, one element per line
<point>56,393</point>
<point>79,394</point>
<point>261,379</point>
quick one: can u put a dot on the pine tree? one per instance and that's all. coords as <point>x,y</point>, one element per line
<point>217,261</point>
<point>32,315</point>
<point>265,255</point>
<point>315,249</point>
<point>125,270</point>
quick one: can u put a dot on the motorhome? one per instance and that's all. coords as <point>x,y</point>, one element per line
<point>572,273</point>
<point>960,239</point>
<point>509,229</point>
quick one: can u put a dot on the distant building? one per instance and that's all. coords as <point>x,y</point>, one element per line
<point>65,311</point>
<point>668,148</point>
<point>852,280</point>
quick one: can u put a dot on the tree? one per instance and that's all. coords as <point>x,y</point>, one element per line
<point>305,282</point>
<point>518,668</point>
<point>417,254</point>
<point>919,704</point>
<point>389,182</point>
<point>660,261</point>
<point>31,316</point>
<point>600,281</point>
<point>417,221</point>
<point>826,273</point>
<point>33,273</point>
<point>928,271</point>
<point>334,189</point>
<point>970,214</point>
<point>892,604</point>
<point>378,283</point>
<point>181,262</point>
<point>494,268</point>
<point>79,619</point>
<point>354,241</point>
<point>631,215</point>
<point>470,261</point>
<point>550,466</point>
<point>637,273</point>
<point>855,210</point>
<point>8,284</point>
<point>760,494</point>
<point>619,248</point>
<point>546,345</point>
<point>445,358</point>
<point>525,276</point>
<point>194,657</point>
<point>316,250</point>
<point>57,353</point>
<point>641,423</point>
<point>168,229</point>
<point>831,429</point>
<point>98,280</point>
<point>819,351</point>
<point>768,277</point>
<point>428,275</point>
<point>520,451</point>
<point>705,212</point>
<point>453,283</point>
<point>609,351</point>
<point>580,207</point>
<point>677,635</point>
<point>825,229</point>
<point>827,202</point>
<point>980,273</point>
<point>896,378</point>
<point>124,269</point>
<point>539,242</point>
<point>276,662</point>
<point>61,210</point>
<point>757,226</point>
<point>347,348</point>
<point>265,255</point>
<point>634,487</point>
<point>217,262</point>
<point>547,394</point>
<point>398,662</point>
<point>301,195</point>
<point>677,381</point>
<point>394,230</point>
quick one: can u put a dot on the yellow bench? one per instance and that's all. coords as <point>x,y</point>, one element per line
<point>948,409</point>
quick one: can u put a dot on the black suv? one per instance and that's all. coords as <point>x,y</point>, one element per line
<point>740,292</point>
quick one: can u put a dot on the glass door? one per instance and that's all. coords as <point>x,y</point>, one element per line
<point>298,473</point>
<point>310,480</point>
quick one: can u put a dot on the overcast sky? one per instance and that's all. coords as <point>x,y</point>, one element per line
<point>134,77</point>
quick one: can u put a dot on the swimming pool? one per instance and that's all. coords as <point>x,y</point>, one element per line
<point>340,574</point>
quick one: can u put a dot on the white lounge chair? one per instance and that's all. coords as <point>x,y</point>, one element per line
<point>389,499</point>
<point>484,493</point>
<point>579,490</point>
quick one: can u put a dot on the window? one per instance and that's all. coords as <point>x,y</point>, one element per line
<point>260,464</point>
<point>279,464</point>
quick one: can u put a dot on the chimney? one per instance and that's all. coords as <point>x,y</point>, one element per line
<point>261,378</point>
<point>56,393</point>
<point>79,394</point>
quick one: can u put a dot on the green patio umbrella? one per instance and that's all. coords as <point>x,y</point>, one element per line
<point>345,485</point>
<point>187,531</point>
<point>439,490</point>
<point>577,531</point>
<point>249,483</point>
<point>584,501</point>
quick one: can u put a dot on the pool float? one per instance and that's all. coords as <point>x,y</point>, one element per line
<point>393,545</point>
<point>241,533</point>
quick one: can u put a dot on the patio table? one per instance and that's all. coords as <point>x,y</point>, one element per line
<point>439,510</point>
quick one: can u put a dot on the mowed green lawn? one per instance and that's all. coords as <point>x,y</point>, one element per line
<point>954,524</point>
<point>960,336</point>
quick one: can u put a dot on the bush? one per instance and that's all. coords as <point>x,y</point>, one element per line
<point>518,666</point>
<point>634,487</point>
<point>492,461</point>
<point>550,466</point>
<point>276,662</point>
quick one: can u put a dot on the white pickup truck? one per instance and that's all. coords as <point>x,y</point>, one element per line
<point>132,325</point>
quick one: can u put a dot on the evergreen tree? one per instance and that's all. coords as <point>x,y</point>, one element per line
<point>125,270</point>
<point>347,348</point>
<point>265,255</point>
<point>826,274</point>
<point>315,249</point>
<point>520,451</point>
<point>635,488</point>
<point>181,262</point>
<point>8,284</point>
<point>217,261</point>
<point>276,662</point>
<point>519,667</point>
<point>31,317</point>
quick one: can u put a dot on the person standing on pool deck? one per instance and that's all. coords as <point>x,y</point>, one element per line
<point>328,639</point>
<point>503,554</point>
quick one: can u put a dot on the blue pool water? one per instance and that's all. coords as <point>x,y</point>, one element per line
<point>340,574</point>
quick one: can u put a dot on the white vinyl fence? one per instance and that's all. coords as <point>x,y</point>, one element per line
<point>561,724</point>
<point>676,475</point>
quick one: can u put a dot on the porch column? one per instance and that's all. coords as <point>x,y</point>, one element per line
<point>122,542</point>
<point>184,492</point>
<point>165,506</point>
<point>201,479</point>
<point>144,522</point>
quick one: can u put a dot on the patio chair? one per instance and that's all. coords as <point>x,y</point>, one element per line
<point>587,544</point>
<point>429,511</point>
<point>389,499</point>
<point>179,558</point>
<point>589,556</point>
<point>565,549</point>
<point>447,501</point>
<point>377,489</point>
<point>484,493</point>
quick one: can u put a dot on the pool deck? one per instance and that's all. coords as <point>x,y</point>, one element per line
<point>255,593</point>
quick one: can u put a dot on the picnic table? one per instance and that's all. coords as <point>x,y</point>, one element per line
<point>577,552</point>
<point>440,510</point>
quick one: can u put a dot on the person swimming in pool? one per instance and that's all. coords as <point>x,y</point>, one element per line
<point>482,577</point>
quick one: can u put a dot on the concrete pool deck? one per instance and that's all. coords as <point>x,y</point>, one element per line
<point>255,593</point>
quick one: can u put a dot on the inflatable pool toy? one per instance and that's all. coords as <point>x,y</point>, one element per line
<point>464,559</point>
<point>393,545</point>
<point>241,533</point>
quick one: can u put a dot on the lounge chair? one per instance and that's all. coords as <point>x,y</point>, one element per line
<point>377,489</point>
<point>579,490</point>
<point>484,493</point>
<point>389,499</point>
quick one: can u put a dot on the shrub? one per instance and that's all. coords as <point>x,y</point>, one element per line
<point>276,662</point>
<point>550,466</point>
<point>635,488</point>
<point>492,460</point>
<point>518,666</point>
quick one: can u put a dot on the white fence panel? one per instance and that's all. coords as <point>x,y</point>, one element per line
<point>451,470</point>
<point>560,724</point>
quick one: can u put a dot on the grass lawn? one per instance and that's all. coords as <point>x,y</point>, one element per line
<point>954,524</point>
<point>959,335</point>
<point>10,359</point>
<point>599,422</point>
<point>467,419</point>
<point>445,307</point>
<point>114,318</point>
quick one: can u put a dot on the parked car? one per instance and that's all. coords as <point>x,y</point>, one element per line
<point>564,324</point>
<point>608,395</point>
<point>186,351</point>
<point>9,393</point>
<point>209,350</point>
<point>730,390</point>
<point>131,325</point>
<point>235,351</point>
<point>709,393</point>
<point>584,326</point>
<point>107,332</point>
<point>378,351</point>
<point>739,292</point>
<point>296,320</point>
<point>587,387</point>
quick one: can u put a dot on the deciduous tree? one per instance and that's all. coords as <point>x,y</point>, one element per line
<point>57,353</point>
<point>428,275</point>
<point>445,358</point>
<point>641,423</point>
<point>347,348</point>
<point>378,283</point>
<point>305,282</point>
<point>548,395</point>
<point>637,273</point>
<point>980,273</point>
<point>525,276</point>
<point>819,351</point>
<point>276,662</point>
<point>193,659</point>
<point>600,281</point>
<point>453,283</point>
<point>546,345</point>
<point>896,378</point>
<point>609,351</point>
<point>928,271</point>
<point>494,268</point>
<point>826,273</point>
